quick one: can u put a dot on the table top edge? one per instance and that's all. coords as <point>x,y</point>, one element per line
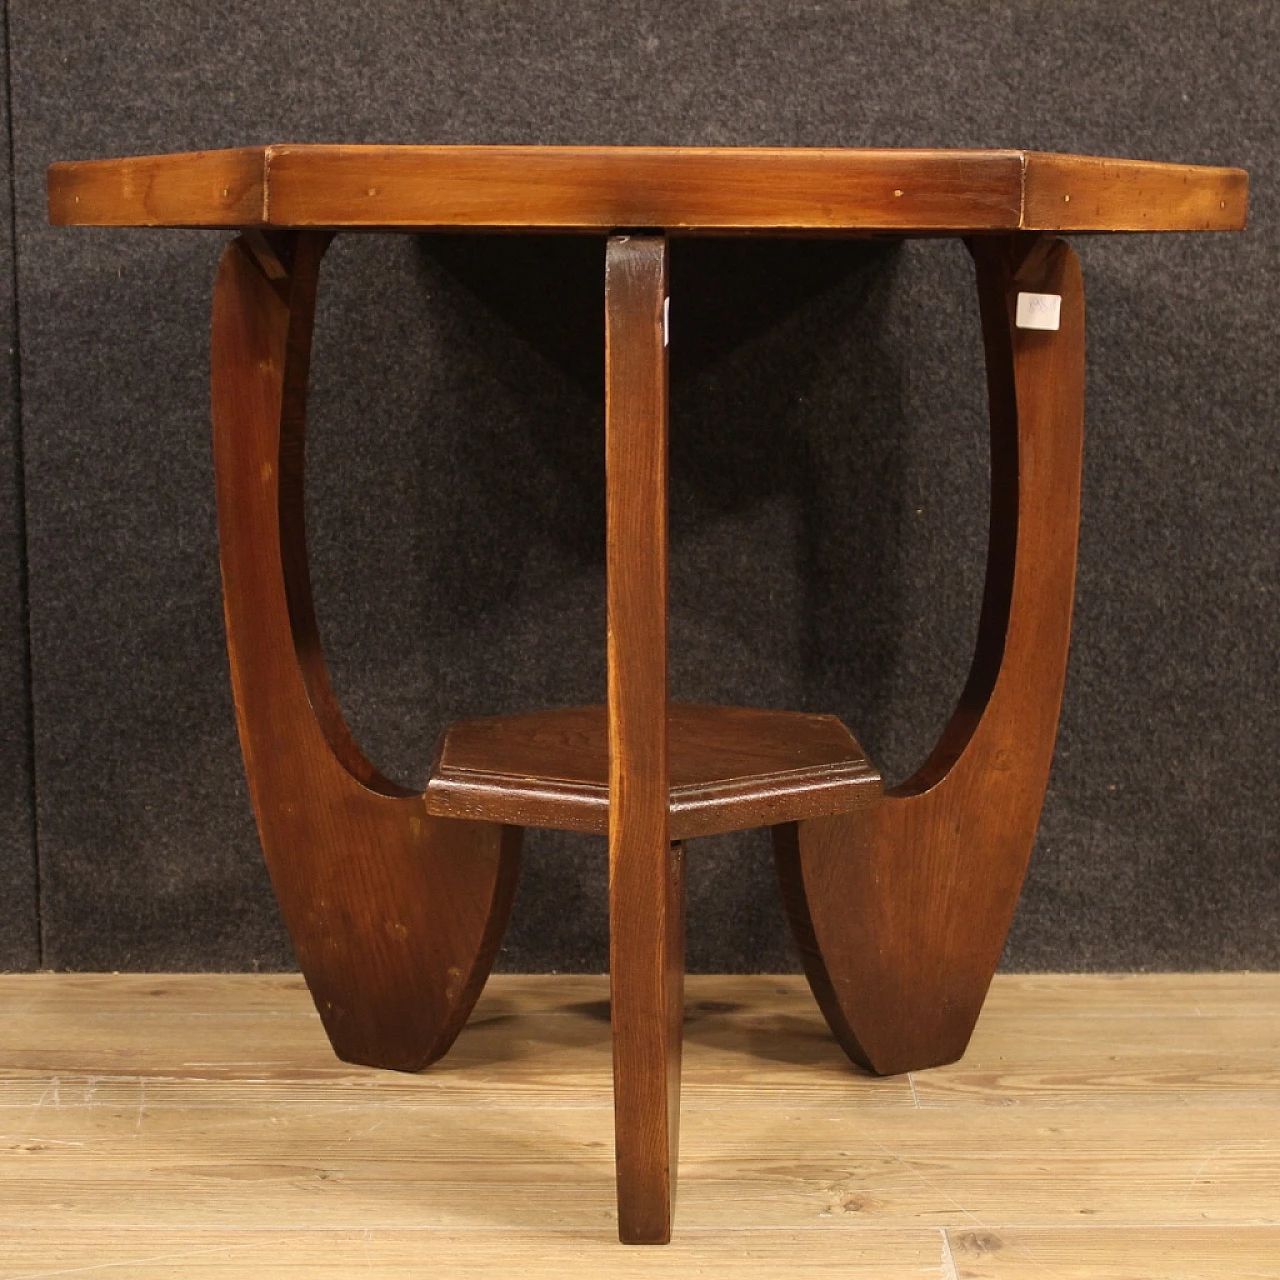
<point>713,190</point>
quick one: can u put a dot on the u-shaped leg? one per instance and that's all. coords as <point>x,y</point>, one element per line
<point>395,915</point>
<point>901,910</point>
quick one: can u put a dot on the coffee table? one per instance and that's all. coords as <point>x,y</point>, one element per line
<point>396,901</point>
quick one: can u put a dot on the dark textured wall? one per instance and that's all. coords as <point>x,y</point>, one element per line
<point>19,922</point>
<point>829,471</point>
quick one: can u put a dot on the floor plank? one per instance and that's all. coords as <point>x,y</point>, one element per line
<point>411,1255</point>
<point>197,1125</point>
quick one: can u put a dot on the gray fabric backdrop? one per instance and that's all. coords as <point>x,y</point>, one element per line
<point>829,468</point>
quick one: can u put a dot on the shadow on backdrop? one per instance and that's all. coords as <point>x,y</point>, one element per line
<point>785,398</point>
<point>761,330</point>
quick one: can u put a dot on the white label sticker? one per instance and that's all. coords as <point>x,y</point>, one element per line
<point>1038,310</point>
<point>666,321</point>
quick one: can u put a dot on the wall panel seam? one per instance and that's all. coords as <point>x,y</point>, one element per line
<point>20,492</point>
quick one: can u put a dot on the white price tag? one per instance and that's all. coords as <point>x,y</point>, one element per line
<point>1038,310</point>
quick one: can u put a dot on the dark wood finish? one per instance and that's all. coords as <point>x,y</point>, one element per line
<point>901,910</point>
<point>731,768</point>
<point>395,914</point>
<point>693,189</point>
<point>396,902</point>
<point>646,894</point>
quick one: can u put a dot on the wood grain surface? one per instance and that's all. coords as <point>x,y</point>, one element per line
<point>696,189</point>
<point>395,915</point>
<point>646,870</point>
<point>197,1126</point>
<point>901,910</point>
<point>730,769</point>
<point>1093,193</point>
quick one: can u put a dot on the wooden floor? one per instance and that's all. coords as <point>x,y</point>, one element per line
<point>198,1127</point>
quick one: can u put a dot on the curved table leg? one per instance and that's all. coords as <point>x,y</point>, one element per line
<point>901,910</point>
<point>395,915</point>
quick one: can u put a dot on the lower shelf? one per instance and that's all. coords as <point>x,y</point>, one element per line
<point>732,768</point>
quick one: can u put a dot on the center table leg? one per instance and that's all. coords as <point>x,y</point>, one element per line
<point>646,886</point>
<point>395,915</point>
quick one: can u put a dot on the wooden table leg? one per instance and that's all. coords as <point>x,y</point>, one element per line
<point>901,910</point>
<point>646,889</point>
<point>395,915</point>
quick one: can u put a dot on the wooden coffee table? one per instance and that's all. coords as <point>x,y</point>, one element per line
<point>396,901</point>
